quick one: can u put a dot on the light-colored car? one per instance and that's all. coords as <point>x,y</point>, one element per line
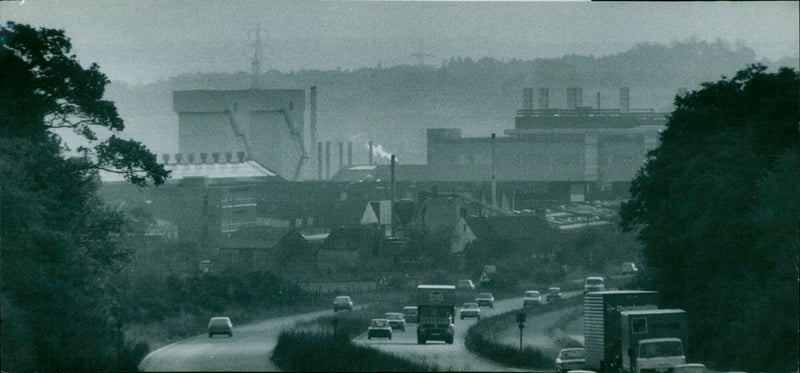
<point>533,298</point>
<point>465,285</point>
<point>485,299</point>
<point>396,320</point>
<point>470,310</point>
<point>570,359</point>
<point>689,368</point>
<point>411,315</point>
<point>629,268</point>
<point>594,283</point>
<point>553,293</point>
<point>342,302</point>
<point>379,328</point>
<point>220,325</point>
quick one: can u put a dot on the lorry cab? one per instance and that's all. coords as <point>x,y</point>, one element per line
<point>656,355</point>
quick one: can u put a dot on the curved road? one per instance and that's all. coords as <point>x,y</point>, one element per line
<point>251,346</point>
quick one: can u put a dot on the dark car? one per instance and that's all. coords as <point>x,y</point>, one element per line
<point>410,314</point>
<point>485,300</point>
<point>396,321</point>
<point>379,328</point>
<point>342,302</point>
<point>553,294</point>
<point>220,325</point>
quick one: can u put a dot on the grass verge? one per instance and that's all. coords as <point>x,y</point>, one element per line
<point>481,338</point>
<point>325,344</point>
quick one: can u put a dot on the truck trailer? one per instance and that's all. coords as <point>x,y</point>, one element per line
<point>602,327</point>
<point>436,305</point>
<point>653,340</point>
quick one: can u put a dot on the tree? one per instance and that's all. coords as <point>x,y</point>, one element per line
<point>58,239</point>
<point>716,208</point>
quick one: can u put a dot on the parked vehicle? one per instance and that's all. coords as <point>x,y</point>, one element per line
<point>396,321</point>
<point>410,314</point>
<point>379,328</point>
<point>220,325</point>
<point>653,340</point>
<point>553,294</point>
<point>342,302</point>
<point>436,309</point>
<point>485,300</point>
<point>470,310</point>
<point>570,359</point>
<point>594,283</point>
<point>532,298</point>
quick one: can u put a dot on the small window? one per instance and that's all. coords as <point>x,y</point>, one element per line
<point>639,325</point>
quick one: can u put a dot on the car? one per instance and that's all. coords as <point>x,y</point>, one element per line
<point>410,314</point>
<point>689,368</point>
<point>594,283</point>
<point>379,328</point>
<point>485,299</point>
<point>220,325</point>
<point>342,302</point>
<point>396,320</point>
<point>470,310</point>
<point>570,359</point>
<point>629,268</point>
<point>532,298</point>
<point>553,293</point>
<point>465,285</point>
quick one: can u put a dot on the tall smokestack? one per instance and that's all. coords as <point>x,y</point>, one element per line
<point>370,153</point>
<point>544,98</point>
<point>624,99</point>
<point>598,100</point>
<point>341,155</point>
<point>349,153</point>
<point>494,179</point>
<point>327,160</point>
<point>394,195</point>
<point>313,114</point>
<point>319,160</point>
<point>527,99</point>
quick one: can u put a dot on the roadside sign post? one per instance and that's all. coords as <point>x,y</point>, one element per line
<point>521,321</point>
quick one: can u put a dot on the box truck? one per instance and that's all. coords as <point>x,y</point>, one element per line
<point>436,305</point>
<point>602,328</point>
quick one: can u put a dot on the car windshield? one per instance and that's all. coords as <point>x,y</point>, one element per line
<point>470,305</point>
<point>533,294</point>
<point>594,281</point>
<point>465,283</point>
<point>573,354</point>
<point>393,316</point>
<point>379,323</point>
<point>222,321</point>
<point>555,290</point>
<point>484,295</point>
<point>410,311</point>
<point>343,300</point>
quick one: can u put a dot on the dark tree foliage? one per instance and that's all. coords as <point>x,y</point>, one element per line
<point>716,206</point>
<point>58,239</point>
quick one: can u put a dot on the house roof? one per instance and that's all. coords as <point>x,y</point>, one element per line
<point>248,170</point>
<point>352,238</point>
<point>258,238</point>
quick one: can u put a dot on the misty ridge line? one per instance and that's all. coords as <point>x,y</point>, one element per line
<point>394,105</point>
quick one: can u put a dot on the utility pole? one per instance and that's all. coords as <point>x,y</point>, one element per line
<point>255,64</point>
<point>391,202</point>
<point>494,178</point>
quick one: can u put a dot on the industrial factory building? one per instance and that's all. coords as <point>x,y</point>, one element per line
<point>265,124</point>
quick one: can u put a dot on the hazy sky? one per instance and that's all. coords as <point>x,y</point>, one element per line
<point>141,41</point>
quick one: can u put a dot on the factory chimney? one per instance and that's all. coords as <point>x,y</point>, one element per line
<point>313,114</point>
<point>370,153</point>
<point>327,160</point>
<point>341,155</point>
<point>319,160</point>
<point>544,98</point>
<point>624,99</point>
<point>349,153</point>
<point>598,100</point>
<point>574,98</point>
